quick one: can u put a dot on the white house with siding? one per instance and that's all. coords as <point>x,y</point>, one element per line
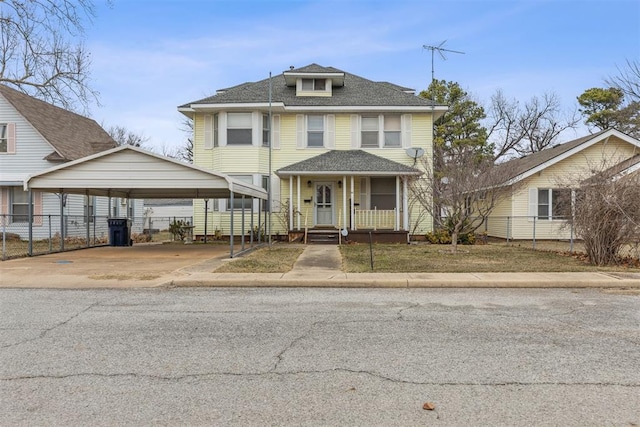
<point>35,136</point>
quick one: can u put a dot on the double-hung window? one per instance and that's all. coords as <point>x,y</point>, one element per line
<point>239,129</point>
<point>19,205</point>
<point>392,131</point>
<point>315,131</point>
<point>380,131</point>
<point>554,203</point>
<point>4,137</point>
<point>369,134</point>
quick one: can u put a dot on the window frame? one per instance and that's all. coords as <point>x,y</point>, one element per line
<point>552,204</point>
<point>370,132</point>
<point>389,132</point>
<point>239,128</point>
<point>315,132</point>
<point>382,131</point>
<point>317,85</point>
<point>266,129</point>
<point>4,137</point>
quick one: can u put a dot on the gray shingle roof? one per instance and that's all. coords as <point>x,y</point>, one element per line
<point>72,136</point>
<point>531,161</point>
<point>354,162</point>
<point>357,91</point>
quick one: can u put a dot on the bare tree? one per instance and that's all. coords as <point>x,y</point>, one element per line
<point>466,192</point>
<point>606,211</point>
<point>123,136</point>
<point>42,51</point>
<point>534,126</point>
<point>628,80</point>
<point>185,152</point>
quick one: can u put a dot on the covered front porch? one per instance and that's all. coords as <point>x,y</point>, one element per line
<point>351,195</point>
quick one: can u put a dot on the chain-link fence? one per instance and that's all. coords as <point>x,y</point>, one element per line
<point>55,233</point>
<point>540,233</point>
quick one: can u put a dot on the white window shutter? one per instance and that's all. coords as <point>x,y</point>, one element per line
<point>256,128</point>
<point>355,131</point>
<point>275,193</point>
<point>407,126</point>
<point>300,140</point>
<point>208,131</point>
<point>330,132</point>
<point>275,132</point>
<point>222,129</point>
<point>11,138</point>
<point>533,203</point>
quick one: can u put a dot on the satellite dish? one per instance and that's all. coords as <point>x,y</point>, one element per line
<point>415,152</point>
<point>344,232</point>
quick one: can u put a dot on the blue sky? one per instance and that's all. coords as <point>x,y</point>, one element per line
<point>149,56</point>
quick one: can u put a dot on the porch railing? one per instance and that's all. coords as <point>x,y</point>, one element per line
<point>375,219</point>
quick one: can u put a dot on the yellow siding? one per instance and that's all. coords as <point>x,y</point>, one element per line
<point>564,173</point>
<point>242,160</point>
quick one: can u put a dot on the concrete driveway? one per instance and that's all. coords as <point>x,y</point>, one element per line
<point>140,265</point>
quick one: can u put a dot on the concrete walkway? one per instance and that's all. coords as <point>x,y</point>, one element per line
<point>147,266</point>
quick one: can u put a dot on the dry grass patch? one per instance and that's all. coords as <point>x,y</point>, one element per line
<point>427,258</point>
<point>265,260</point>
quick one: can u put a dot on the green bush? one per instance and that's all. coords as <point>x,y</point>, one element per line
<point>442,236</point>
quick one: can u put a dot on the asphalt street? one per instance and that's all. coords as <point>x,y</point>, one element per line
<point>213,356</point>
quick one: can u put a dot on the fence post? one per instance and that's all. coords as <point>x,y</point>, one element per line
<point>50,242</point>
<point>508,227</point>
<point>4,238</point>
<point>534,232</point>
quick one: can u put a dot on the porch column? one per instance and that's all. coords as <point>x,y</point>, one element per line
<point>62,230</point>
<point>344,202</point>
<point>290,203</point>
<point>405,205</point>
<point>30,219</point>
<point>352,210</point>
<point>299,205</point>
<point>397,225</point>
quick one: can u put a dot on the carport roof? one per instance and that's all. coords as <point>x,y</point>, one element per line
<point>134,173</point>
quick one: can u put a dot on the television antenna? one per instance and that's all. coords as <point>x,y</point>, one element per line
<point>441,51</point>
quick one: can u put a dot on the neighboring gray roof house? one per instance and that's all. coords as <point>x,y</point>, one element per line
<point>71,135</point>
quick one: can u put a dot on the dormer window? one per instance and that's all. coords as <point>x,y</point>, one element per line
<point>314,84</point>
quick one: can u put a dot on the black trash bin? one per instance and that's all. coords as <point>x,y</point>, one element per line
<point>119,232</point>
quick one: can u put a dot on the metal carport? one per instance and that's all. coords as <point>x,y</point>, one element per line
<point>133,173</point>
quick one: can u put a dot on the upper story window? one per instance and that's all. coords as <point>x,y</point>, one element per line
<point>4,137</point>
<point>239,129</point>
<point>392,131</point>
<point>369,138</point>
<point>371,135</point>
<point>215,130</point>
<point>314,84</point>
<point>315,131</point>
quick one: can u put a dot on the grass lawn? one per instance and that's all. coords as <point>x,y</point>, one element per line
<point>424,258</point>
<point>278,259</point>
<point>475,258</point>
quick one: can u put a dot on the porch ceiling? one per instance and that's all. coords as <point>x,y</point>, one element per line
<point>347,162</point>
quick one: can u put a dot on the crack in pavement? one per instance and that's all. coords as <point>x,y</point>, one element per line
<point>323,371</point>
<point>56,326</point>
<point>280,355</point>
<point>409,307</point>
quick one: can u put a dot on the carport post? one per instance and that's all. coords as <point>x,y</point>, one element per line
<point>231,226</point>
<point>242,221</point>
<point>30,212</point>
<point>259,217</point>
<point>206,208</point>
<point>251,232</point>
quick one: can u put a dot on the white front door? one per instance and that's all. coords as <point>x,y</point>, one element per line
<point>324,203</point>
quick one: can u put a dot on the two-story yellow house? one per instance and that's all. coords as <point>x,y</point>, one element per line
<point>340,150</point>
